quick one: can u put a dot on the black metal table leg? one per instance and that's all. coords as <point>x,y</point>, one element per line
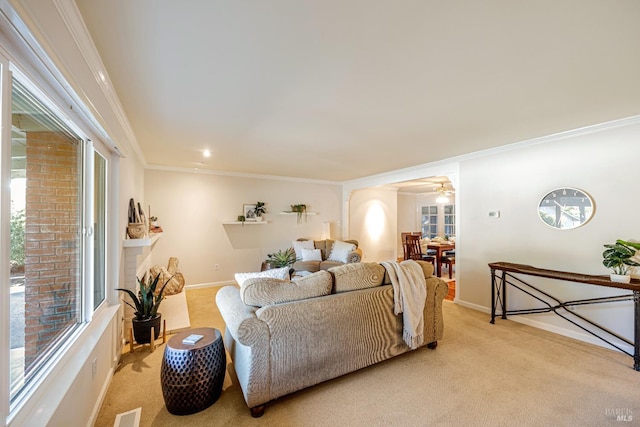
<point>636,331</point>
<point>493,296</point>
<point>504,295</point>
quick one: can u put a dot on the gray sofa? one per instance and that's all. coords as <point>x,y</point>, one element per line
<point>285,336</point>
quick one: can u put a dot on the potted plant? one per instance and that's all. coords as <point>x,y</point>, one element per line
<point>300,209</point>
<point>145,304</point>
<point>241,219</point>
<point>282,258</point>
<point>617,257</point>
<point>259,209</point>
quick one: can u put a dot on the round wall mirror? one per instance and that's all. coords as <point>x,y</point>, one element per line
<point>565,208</point>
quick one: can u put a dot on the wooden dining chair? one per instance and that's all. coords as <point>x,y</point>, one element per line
<point>403,237</point>
<point>449,259</point>
<point>414,250</point>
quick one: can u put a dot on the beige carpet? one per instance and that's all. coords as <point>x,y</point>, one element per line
<point>480,375</point>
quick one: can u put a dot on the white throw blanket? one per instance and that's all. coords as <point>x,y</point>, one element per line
<point>409,295</point>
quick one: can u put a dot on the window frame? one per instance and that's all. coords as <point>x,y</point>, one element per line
<point>433,211</point>
<point>44,378</point>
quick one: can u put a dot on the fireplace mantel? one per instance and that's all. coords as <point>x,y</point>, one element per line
<point>137,262</point>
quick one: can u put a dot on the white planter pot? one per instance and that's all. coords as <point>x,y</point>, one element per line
<point>620,278</point>
<point>258,218</point>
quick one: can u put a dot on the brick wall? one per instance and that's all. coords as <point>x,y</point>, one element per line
<point>52,240</point>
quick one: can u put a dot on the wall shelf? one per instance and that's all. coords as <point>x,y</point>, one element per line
<point>296,213</point>
<point>147,241</point>
<point>245,222</point>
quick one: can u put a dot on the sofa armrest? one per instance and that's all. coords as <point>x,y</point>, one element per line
<point>240,319</point>
<point>354,256</point>
<point>437,289</point>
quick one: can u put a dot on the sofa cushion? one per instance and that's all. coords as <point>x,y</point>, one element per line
<point>326,265</point>
<point>311,255</point>
<point>299,245</point>
<point>427,270</point>
<point>362,275</point>
<point>277,273</point>
<point>311,266</point>
<point>340,251</point>
<point>267,291</point>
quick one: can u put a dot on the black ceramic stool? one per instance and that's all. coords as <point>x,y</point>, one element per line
<point>192,374</point>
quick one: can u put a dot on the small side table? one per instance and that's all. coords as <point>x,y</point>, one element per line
<point>192,374</point>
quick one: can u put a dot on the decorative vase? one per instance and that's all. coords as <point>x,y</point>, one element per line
<point>136,230</point>
<point>620,278</point>
<point>142,329</point>
<point>258,218</point>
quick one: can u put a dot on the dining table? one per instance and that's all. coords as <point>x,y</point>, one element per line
<point>440,248</point>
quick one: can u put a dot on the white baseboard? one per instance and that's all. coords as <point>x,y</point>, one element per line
<point>211,284</point>
<point>580,336</point>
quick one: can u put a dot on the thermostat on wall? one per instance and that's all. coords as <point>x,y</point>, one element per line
<point>494,214</point>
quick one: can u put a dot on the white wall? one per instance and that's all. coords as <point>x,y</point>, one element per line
<point>408,217</point>
<point>373,222</point>
<point>191,209</point>
<point>604,164</point>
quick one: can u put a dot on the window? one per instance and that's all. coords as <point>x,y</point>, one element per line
<point>429,221</point>
<point>52,167</point>
<point>449,221</point>
<point>99,229</point>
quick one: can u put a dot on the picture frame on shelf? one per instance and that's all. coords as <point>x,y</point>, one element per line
<point>248,210</point>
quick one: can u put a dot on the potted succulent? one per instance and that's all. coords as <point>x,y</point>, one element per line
<point>259,210</point>
<point>617,257</point>
<point>282,258</point>
<point>145,304</point>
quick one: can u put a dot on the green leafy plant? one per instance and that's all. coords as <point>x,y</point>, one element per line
<point>146,302</point>
<point>618,256</point>
<point>260,209</point>
<point>282,258</point>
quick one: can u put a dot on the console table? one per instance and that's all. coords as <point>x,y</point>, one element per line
<point>499,282</point>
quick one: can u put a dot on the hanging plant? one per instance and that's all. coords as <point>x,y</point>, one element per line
<point>300,209</point>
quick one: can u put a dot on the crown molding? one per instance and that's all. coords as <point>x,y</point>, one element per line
<point>74,23</point>
<point>240,175</point>
<point>449,167</point>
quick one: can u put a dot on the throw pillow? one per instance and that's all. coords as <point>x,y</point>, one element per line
<point>340,251</point>
<point>266,291</point>
<point>276,273</point>
<point>299,245</point>
<point>311,255</point>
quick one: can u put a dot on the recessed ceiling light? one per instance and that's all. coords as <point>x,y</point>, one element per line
<point>206,153</point>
